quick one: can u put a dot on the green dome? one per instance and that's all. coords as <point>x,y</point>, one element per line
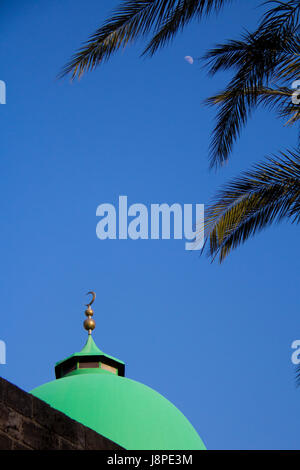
<point>91,389</point>
<point>123,410</point>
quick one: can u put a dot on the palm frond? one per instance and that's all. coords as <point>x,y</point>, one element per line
<point>178,18</point>
<point>263,49</point>
<point>289,68</point>
<point>258,198</point>
<point>236,107</point>
<point>258,59</point>
<point>134,19</point>
<point>285,17</point>
<point>284,14</point>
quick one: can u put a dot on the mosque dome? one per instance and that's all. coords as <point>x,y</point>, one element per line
<point>91,388</point>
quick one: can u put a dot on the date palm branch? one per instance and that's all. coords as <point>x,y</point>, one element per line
<point>134,19</point>
<point>262,62</point>
<point>284,14</point>
<point>268,193</point>
<point>236,105</point>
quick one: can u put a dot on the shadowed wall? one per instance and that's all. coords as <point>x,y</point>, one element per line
<point>29,423</point>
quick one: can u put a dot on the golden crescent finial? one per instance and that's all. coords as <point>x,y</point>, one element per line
<point>93,299</point>
<point>89,324</point>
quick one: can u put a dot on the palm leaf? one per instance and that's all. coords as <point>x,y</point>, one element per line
<point>285,14</point>
<point>257,62</point>
<point>258,198</point>
<point>178,18</point>
<point>270,54</point>
<point>134,19</point>
<point>237,104</point>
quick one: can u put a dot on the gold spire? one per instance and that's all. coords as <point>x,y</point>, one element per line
<point>89,324</point>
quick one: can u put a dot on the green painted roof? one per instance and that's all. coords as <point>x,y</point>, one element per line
<point>127,412</point>
<point>123,410</point>
<point>90,349</point>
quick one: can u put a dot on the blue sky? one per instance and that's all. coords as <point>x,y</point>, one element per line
<point>214,339</point>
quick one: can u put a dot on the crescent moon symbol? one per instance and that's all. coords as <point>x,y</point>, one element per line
<point>94,296</point>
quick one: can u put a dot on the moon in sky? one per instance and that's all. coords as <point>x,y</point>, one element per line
<point>189,59</point>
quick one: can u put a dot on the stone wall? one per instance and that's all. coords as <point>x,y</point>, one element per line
<point>29,423</point>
